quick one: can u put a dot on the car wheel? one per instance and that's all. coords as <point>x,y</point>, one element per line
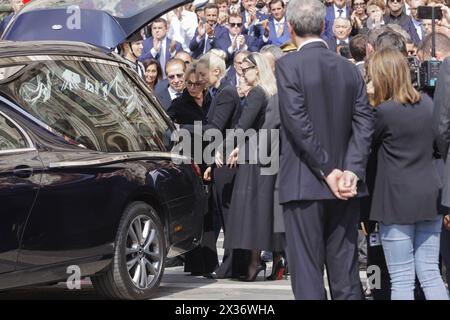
<point>140,252</point>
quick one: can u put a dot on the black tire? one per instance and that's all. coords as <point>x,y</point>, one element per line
<point>117,282</point>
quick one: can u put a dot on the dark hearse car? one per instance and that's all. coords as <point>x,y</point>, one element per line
<point>86,174</point>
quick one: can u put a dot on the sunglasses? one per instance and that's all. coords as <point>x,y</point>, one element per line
<point>173,76</point>
<point>233,25</point>
<point>356,5</point>
<point>244,70</point>
<point>395,1</point>
<point>194,84</point>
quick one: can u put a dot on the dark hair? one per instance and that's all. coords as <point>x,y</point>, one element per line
<point>373,35</point>
<point>148,62</point>
<point>275,2</point>
<point>159,20</point>
<point>358,47</point>
<point>391,39</point>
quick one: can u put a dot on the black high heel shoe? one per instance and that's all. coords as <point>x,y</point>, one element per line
<point>278,270</point>
<point>252,277</point>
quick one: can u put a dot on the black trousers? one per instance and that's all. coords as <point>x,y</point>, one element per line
<point>320,233</point>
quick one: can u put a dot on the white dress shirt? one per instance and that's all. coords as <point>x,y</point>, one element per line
<point>183,31</point>
<point>279,24</point>
<point>173,94</point>
<point>230,48</point>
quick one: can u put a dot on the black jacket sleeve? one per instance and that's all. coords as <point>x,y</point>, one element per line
<point>441,114</point>
<point>362,128</point>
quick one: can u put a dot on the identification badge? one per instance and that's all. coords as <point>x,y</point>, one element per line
<point>374,239</point>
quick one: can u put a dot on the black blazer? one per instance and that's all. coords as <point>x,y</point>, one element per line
<point>406,183</point>
<point>326,122</point>
<point>231,76</point>
<point>184,110</point>
<point>224,111</point>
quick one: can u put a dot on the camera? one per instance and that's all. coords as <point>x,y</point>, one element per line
<point>424,74</point>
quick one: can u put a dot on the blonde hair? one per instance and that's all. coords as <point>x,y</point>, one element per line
<point>215,59</point>
<point>266,79</point>
<point>389,72</point>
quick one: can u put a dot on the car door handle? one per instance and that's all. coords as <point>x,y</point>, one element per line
<point>23,172</point>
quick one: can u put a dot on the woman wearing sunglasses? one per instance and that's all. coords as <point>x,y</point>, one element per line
<point>359,16</point>
<point>192,106</point>
<point>405,195</point>
<point>223,113</point>
<point>250,225</point>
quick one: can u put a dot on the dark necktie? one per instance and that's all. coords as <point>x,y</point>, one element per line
<point>214,92</point>
<point>340,12</point>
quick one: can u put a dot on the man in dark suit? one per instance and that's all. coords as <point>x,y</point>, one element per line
<point>234,73</point>
<point>234,41</point>
<point>339,9</point>
<point>170,89</point>
<point>398,16</point>
<point>278,28</point>
<point>159,46</point>
<point>252,18</point>
<point>326,132</point>
<point>207,33</point>
<point>342,28</point>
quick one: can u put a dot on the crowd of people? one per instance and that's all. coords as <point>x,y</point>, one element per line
<point>356,138</point>
<point>361,166</point>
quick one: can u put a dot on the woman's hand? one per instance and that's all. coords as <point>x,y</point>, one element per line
<point>207,176</point>
<point>233,158</point>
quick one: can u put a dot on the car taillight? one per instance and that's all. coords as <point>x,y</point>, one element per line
<point>196,169</point>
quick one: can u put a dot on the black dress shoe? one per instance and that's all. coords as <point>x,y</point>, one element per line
<point>211,275</point>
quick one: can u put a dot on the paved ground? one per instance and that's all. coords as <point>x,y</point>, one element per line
<point>176,285</point>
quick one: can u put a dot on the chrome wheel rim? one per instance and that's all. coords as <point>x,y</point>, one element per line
<point>143,252</point>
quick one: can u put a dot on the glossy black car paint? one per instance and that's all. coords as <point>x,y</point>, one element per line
<point>66,210</point>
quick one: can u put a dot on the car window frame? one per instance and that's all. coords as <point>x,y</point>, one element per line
<point>30,146</point>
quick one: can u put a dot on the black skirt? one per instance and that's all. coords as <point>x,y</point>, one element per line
<point>251,216</point>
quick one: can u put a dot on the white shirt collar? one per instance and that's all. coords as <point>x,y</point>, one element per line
<point>345,40</point>
<point>311,41</point>
<point>283,20</point>
<point>172,93</point>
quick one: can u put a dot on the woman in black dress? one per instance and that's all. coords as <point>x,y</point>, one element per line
<point>250,225</point>
<point>191,106</point>
<point>223,114</point>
